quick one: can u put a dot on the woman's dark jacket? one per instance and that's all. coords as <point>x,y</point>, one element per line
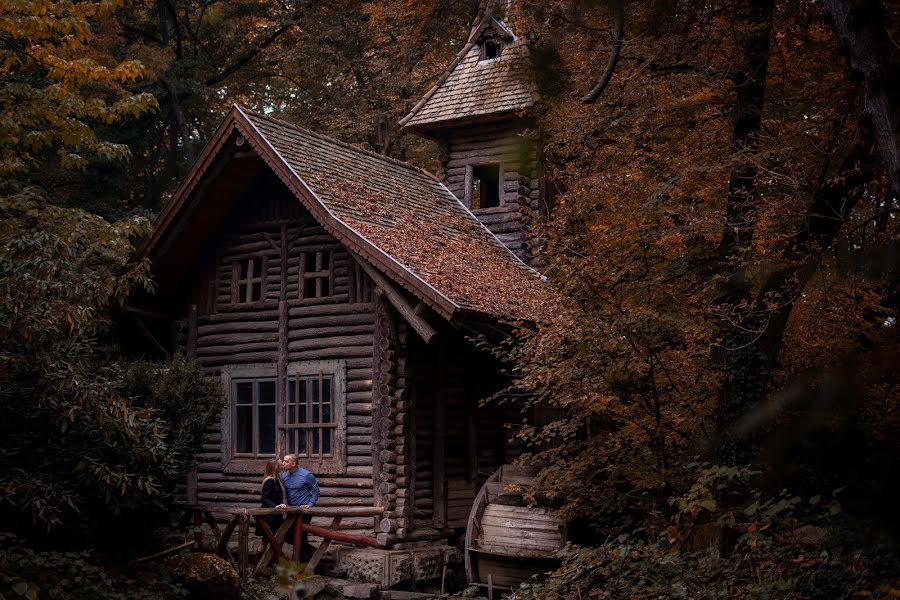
<point>272,496</point>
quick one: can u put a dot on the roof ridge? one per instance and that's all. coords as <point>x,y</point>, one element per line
<point>342,143</point>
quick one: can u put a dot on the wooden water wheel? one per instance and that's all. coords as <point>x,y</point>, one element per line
<point>508,542</point>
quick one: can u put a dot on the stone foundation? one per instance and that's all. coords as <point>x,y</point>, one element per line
<point>387,568</point>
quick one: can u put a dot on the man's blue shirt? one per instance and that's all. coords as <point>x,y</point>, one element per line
<point>301,487</point>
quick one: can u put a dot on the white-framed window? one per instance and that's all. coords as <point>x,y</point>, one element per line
<point>308,420</point>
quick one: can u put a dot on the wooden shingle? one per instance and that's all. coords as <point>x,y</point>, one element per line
<point>472,88</point>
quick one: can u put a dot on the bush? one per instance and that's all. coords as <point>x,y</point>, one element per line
<point>26,573</point>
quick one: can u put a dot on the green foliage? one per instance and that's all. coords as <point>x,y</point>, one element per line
<point>754,545</point>
<point>84,434</point>
<point>56,86</point>
<point>48,575</point>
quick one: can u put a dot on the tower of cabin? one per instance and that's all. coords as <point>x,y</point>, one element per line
<point>478,113</point>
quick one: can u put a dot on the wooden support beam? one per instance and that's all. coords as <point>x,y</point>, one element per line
<point>272,549</point>
<point>207,516</point>
<point>222,546</point>
<point>298,536</point>
<point>323,547</point>
<point>270,537</point>
<point>425,331</point>
<point>145,331</point>
<point>198,529</point>
<point>244,544</point>
<point>192,332</point>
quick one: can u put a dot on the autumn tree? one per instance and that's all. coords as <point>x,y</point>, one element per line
<point>722,194</point>
<point>85,436</point>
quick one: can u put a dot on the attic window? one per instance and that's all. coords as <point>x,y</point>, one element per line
<point>483,189</point>
<point>491,49</point>
<point>248,280</point>
<point>315,274</point>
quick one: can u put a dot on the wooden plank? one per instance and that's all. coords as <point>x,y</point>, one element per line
<point>244,544</point>
<point>492,533</point>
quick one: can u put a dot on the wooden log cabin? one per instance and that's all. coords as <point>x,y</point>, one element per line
<point>335,291</point>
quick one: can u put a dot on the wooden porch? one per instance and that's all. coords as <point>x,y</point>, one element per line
<point>241,519</point>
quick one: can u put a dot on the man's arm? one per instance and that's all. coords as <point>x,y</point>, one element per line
<point>313,488</point>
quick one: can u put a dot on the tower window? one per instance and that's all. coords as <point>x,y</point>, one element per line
<point>491,49</point>
<point>483,190</point>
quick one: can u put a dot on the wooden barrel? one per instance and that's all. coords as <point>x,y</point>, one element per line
<point>508,542</point>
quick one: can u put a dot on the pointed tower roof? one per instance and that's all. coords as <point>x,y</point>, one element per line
<point>476,86</point>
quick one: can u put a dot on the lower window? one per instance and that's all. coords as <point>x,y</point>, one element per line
<point>307,421</point>
<point>254,417</point>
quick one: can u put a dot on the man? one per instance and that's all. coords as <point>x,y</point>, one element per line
<point>303,491</point>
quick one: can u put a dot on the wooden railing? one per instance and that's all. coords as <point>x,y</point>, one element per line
<point>241,519</point>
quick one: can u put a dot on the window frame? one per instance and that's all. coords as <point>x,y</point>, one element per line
<point>233,462</point>
<point>483,54</point>
<point>470,182</point>
<point>255,406</point>
<point>322,272</point>
<point>237,279</point>
<point>336,463</point>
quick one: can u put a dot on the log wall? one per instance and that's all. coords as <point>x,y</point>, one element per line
<point>281,328</point>
<point>520,186</point>
<point>456,443</point>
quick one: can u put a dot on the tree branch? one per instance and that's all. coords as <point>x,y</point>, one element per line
<point>250,54</point>
<point>618,9</point>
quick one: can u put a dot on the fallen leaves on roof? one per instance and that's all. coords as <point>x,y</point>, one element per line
<point>410,216</point>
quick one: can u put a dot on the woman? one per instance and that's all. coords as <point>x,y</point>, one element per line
<point>272,497</point>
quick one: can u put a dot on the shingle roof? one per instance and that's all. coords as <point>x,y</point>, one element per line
<point>471,88</point>
<point>392,214</point>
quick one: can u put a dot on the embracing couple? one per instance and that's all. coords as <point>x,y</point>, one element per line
<point>286,483</point>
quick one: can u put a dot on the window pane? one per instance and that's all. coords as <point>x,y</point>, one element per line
<point>302,449</point>
<point>310,261</point>
<point>326,440</point>
<point>326,260</point>
<point>309,288</point>
<point>326,291</point>
<point>242,292</point>
<point>267,392</point>
<point>244,392</point>
<point>314,381</point>
<point>326,413</point>
<point>291,398</point>
<point>255,292</point>
<point>315,441</point>
<point>267,429</point>
<point>326,389</point>
<point>243,430</point>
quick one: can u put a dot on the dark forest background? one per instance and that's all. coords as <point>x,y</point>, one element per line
<point>725,179</point>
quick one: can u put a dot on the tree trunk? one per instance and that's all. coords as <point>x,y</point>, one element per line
<point>744,367</point>
<point>860,29</point>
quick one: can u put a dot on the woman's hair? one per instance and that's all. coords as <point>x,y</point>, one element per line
<point>272,469</point>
